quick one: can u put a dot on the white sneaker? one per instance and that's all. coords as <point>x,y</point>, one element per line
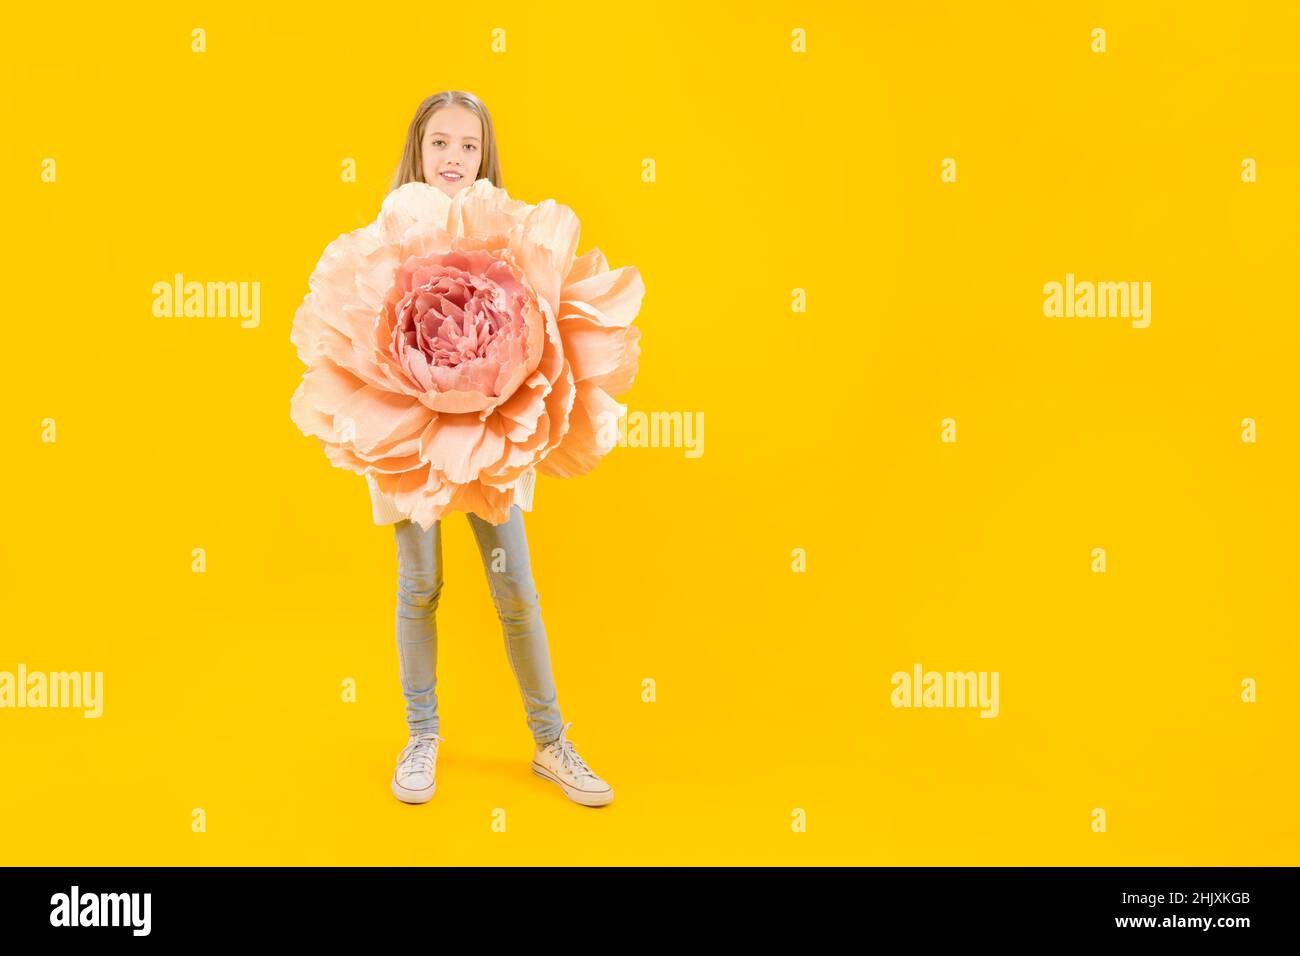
<point>413,780</point>
<point>559,763</point>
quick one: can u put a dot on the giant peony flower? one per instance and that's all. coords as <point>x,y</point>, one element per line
<point>456,342</point>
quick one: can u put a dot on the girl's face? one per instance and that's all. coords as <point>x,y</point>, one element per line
<point>452,144</point>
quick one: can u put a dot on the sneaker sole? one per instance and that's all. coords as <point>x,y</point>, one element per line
<point>587,798</point>
<point>413,796</point>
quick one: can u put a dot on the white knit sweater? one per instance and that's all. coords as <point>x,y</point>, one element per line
<point>385,511</point>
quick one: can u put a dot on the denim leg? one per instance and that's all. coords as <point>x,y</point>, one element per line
<point>504,549</point>
<point>419,585</point>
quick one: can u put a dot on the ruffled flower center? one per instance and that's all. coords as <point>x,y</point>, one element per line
<point>459,324</point>
<point>452,319</point>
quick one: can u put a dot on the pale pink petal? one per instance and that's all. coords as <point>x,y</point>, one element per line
<point>608,298</point>
<point>582,448</point>
<point>413,204</point>
<point>545,247</point>
<point>448,443</point>
<point>594,350</point>
<point>590,263</point>
<point>619,380</point>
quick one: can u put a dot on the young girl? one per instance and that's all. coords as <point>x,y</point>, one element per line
<point>450,144</point>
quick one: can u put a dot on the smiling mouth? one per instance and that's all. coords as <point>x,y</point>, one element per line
<point>451,177</point>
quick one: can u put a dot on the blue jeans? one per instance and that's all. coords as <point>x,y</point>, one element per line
<point>504,549</point>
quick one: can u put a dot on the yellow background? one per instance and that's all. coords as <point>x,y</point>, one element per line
<point>775,171</point>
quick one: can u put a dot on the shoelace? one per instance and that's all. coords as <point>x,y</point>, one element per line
<point>569,758</point>
<point>421,751</point>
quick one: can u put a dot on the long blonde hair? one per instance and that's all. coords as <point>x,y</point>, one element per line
<point>411,167</point>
